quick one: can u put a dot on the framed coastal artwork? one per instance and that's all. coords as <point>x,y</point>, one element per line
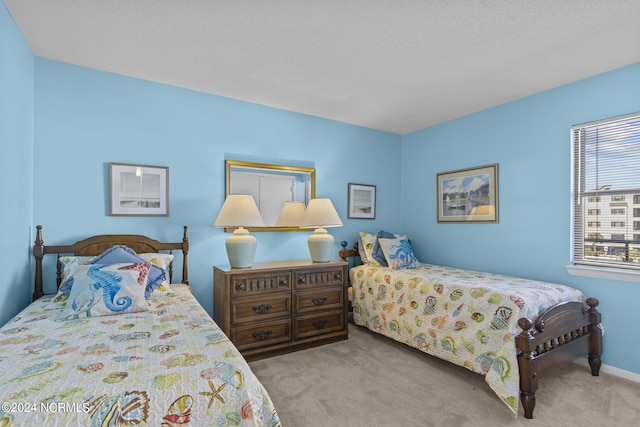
<point>139,190</point>
<point>468,195</point>
<point>362,201</point>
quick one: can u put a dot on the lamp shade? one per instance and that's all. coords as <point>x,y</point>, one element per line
<point>320,213</point>
<point>240,210</point>
<point>291,215</point>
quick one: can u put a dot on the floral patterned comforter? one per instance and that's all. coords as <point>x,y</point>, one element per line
<point>168,366</point>
<point>466,317</point>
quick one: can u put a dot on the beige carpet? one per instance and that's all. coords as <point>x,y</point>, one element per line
<point>371,380</point>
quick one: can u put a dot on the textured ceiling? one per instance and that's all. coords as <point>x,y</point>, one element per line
<point>394,65</point>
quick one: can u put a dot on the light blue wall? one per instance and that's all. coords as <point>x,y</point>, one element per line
<point>87,118</point>
<point>16,166</point>
<point>56,150</point>
<point>530,140</point>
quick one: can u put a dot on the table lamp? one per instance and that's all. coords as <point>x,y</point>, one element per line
<point>320,214</point>
<point>240,210</point>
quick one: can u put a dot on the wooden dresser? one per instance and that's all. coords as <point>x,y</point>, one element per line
<point>277,307</point>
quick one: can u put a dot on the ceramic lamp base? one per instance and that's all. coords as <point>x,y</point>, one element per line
<point>241,248</point>
<point>320,245</point>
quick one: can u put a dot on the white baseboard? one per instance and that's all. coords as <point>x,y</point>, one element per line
<point>613,371</point>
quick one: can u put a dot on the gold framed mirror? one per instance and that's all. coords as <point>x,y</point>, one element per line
<point>272,187</point>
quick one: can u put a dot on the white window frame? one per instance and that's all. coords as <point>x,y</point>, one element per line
<point>579,265</point>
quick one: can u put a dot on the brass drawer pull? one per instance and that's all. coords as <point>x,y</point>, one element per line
<point>261,335</point>
<point>319,300</point>
<point>319,324</point>
<point>262,308</point>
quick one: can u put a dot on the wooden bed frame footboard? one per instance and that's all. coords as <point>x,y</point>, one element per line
<point>562,333</point>
<point>96,245</point>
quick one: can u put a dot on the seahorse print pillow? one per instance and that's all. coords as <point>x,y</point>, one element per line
<point>120,253</point>
<point>103,290</point>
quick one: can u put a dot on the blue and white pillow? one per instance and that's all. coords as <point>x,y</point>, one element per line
<point>398,253</point>
<point>103,290</point>
<point>377,253</point>
<point>120,254</point>
<point>163,261</point>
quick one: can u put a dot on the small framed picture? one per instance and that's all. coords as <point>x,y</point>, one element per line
<point>362,201</point>
<point>468,195</point>
<point>139,190</point>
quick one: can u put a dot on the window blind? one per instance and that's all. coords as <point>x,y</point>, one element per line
<point>606,192</point>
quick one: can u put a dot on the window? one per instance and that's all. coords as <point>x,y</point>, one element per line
<point>606,161</point>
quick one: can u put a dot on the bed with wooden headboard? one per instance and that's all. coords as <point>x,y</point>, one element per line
<point>113,351</point>
<point>96,245</point>
<point>481,321</point>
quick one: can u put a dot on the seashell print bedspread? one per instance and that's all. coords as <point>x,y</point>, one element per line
<point>168,366</point>
<point>468,318</point>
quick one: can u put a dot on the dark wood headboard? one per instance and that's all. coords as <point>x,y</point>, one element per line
<point>96,245</point>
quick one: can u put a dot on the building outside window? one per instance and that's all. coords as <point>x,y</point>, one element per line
<point>606,193</point>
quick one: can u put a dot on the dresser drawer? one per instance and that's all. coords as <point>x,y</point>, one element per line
<point>325,299</point>
<point>267,308</point>
<point>314,278</point>
<point>264,334</point>
<point>260,283</point>
<point>316,324</point>
<point>277,307</point>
